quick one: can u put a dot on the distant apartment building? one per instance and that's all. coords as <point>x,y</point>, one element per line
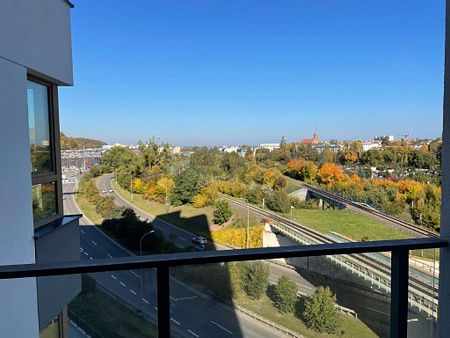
<point>230,149</point>
<point>371,145</point>
<point>35,59</point>
<point>269,146</point>
<point>334,148</point>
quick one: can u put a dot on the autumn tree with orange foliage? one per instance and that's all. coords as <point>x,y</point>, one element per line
<point>330,172</point>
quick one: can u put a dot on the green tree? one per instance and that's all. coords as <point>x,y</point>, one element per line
<point>105,205</point>
<point>278,201</point>
<point>223,212</point>
<point>285,295</point>
<point>255,279</point>
<point>188,184</point>
<point>320,312</point>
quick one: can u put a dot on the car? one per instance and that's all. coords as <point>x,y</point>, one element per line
<point>103,191</point>
<point>110,190</point>
<point>199,247</point>
<point>199,240</point>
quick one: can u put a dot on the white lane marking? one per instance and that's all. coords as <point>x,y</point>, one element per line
<point>123,284</point>
<point>86,253</point>
<point>220,326</point>
<point>182,239</point>
<point>91,258</point>
<point>82,231</point>
<point>173,298</point>
<point>113,277</point>
<point>193,333</point>
<point>184,298</point>
<point>156,308</point>
<point>413,320</point>
<point>94,243</point>
<point>133,292</point>
<point>109,255</point>
<point>81,250</point>
<point>145,301</point>
<point>175,321</point>
<point>135,274</point>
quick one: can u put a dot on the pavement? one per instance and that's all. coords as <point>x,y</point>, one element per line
<point>193,314</point>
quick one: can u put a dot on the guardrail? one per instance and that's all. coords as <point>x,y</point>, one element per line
<point>162,263</point>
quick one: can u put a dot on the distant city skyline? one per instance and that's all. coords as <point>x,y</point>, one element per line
<point>246,73</point>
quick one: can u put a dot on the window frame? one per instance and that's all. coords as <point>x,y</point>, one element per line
<point>55,149</point>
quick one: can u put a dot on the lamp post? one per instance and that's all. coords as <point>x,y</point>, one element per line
<point>140,270</point>
<point>247,235</point>
<point>292,208</point>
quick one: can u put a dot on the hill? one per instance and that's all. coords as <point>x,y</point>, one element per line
<point>68,142</point>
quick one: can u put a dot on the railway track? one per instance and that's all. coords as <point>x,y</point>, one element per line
<point>333,196</point>
<point>429,290</point>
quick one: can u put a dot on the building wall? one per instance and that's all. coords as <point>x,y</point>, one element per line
<point>18,312</point>
<point>36,35</point>
<point>34,38</point>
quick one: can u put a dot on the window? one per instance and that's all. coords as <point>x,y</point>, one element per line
<point>44,151</point>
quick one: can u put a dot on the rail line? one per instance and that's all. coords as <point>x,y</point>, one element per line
<point>333,196</point>
<point>429,290</point>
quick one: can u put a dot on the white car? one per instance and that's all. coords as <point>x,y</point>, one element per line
<point>111,191</point>
<point>103,191</point>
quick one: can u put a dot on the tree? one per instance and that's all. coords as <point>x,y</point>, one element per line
<point>285,295</point>
<point>278,201</point>
<point>331,172</point>
<point>187,185</point>
<point>105,205</point>
<point>320,312</point>
<point>153,154</point>
<point>166,184</point>
<point>223,212</point>
<point>255,279</point>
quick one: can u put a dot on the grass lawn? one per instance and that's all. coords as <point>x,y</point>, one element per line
<point>109,317</point>
<point>352,327</point>
<point>345,222</point>
<point>195,220</point>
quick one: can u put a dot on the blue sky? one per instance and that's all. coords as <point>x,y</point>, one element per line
<point>235,72</point>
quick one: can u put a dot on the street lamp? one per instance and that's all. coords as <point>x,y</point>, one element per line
<point>247,236</point>
<point>140,270</point>
<point>292,208</point>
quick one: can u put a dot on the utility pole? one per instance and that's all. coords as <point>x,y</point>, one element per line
<point>140,270</point>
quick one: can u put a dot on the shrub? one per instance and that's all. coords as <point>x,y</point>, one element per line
<point>285,295</point>
<point>236,237</point>
<point>278,201</point>
<point>222,213</point>
<point>255,279</point>
<point>199,201</point>
<point>320,313</point>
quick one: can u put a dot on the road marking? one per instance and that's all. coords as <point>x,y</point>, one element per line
<point>86,253</point>
<point>374,310</point>
<point>193,333</point>
<point>91,258</point>
<point>94,243</point>
<point>123,284</point>
<point>145,301</point>
<point>156,308</point>
<point>220,326</point>
<point>413,320</point>
<point>109,255</point>
<point>135,274</point>
<point>173,298</point>
<point>175,321</point>
<point>113,277</point>
<point>184,298</point>
<point>82,231</point>
<point>133,292</point>
<point>81,250</point>
<point>182,239</point>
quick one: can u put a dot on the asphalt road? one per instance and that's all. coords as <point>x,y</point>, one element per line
<point>193,314</point>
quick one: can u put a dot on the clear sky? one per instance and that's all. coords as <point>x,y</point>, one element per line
<point>213,72</point>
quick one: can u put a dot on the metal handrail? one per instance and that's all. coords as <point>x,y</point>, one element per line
<point>162,263</point>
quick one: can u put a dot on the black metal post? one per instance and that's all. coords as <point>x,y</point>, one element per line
<point>399,293</point>
<point>163,298</point>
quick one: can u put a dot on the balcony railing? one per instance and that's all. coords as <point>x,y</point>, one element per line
<point>162,263</point>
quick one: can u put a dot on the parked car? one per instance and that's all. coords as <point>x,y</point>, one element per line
<point>199,240</point>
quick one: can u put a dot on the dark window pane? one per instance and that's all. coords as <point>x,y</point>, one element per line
<point>38,120</point>
<point>44,201</point>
